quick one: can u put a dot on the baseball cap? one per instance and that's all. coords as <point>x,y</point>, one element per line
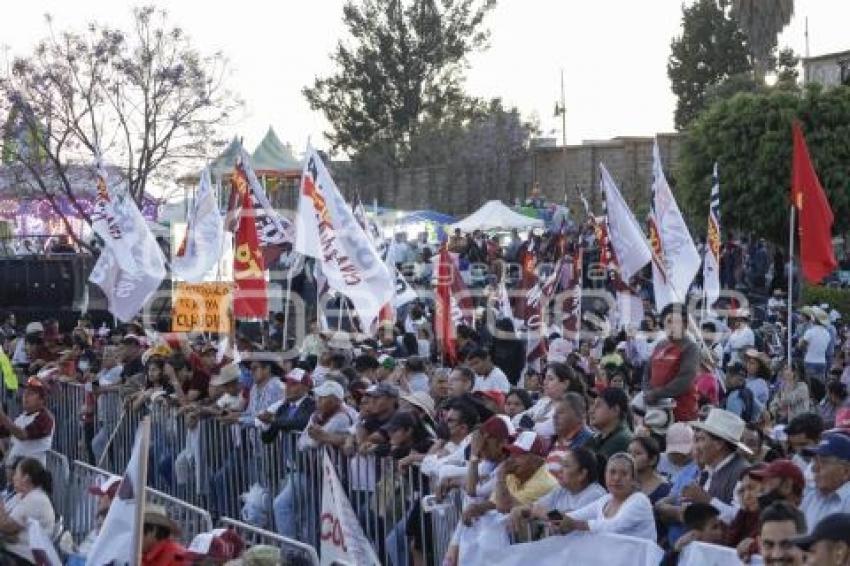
<point>131,339</point>
<point>494,395</point>
<point>527,442</point>
<point>219,544</point>
<point>835,527</point>
<point>782,469</point>
<point>37,385</point>
<point>498,426</point>
<point>382,390</point>
<point>298,375</point>
<point>329,388</point>
<point>108,486</point>
<point>835,445</point>
<point>34,328</point>
<point>680,439</point>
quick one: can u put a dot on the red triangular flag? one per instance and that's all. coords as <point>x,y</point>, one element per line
<point>817,257</point>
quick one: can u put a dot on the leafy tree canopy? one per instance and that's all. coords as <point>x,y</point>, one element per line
<point>749,136</point>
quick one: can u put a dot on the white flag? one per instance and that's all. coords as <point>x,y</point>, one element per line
<point>505,310</point>
<point>115,543</point>
<point>131,267</point>
<point>202,244</point>
<point>578,548</point>
<point>704,554</point>
<point>108,220</point>
<point>678,253</point>
<point>711,260</point>
<point>327,230</point>
<point>627,239</point>
<point>342,537</point>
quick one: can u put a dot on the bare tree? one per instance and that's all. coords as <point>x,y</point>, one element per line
<point>144,99</point>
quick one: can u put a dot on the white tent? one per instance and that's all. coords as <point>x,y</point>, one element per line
<point>494,215</point>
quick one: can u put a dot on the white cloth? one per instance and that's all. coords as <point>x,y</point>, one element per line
<point>634,518</point>
<point>565,501</point>
<point>817,340</point>
<point>496,380</point>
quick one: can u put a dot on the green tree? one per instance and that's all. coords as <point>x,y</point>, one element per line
<point>143,97</point>
<point>762,21</point>
<point>402,67</point>
<point>749,136</point>
<point>710,50</point>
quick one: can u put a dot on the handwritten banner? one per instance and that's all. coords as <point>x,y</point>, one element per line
<point>201,307</point>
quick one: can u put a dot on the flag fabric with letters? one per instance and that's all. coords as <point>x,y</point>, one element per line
<point>250,297</point>
<point>711,261</point>
<point>676,257</point>
<point>624,232</point>
<point>202,244</point>
<point>131,265</point>
<point>817,257</point>
<point>342,539</point>
<point>327,230</point>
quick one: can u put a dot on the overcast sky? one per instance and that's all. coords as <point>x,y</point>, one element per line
<point>613,52</point>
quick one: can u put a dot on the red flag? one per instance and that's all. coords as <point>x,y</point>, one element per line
<point>250,299</point>
<point>815,216</point>
<point>443,321</point>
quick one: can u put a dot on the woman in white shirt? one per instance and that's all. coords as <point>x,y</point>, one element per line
<point>624,511</point>
<point>32,501</point>
<point>578,487</point>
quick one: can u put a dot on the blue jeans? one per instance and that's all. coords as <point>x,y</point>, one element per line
<point>287,517</point>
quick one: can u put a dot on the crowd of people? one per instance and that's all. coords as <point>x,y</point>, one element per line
<point>671,432</point>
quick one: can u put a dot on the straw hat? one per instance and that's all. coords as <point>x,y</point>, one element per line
<point>225,375</point>
<point>724,425</point>
<point>821,316</point>
<point>158,516</point>
<point>422,400</point>
<point>761,357</point>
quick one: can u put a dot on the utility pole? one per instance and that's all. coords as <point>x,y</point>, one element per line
<point>561,110</point>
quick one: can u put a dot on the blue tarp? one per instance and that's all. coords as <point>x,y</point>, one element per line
<point>426,216</point>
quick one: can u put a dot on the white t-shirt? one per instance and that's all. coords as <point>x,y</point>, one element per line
<point>496,380</point>
<point>817,341</point>
<point>740,340</point>
<point>34,505</point>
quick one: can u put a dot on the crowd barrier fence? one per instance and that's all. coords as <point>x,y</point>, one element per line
<point>204,470</point>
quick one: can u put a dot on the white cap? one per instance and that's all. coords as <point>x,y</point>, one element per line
<point>34,327</point>
<point>329,388</point>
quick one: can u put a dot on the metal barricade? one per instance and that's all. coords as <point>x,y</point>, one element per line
<point>60,472</point>
<point>66,402</point>
<point>192,520</point>
<point>82,505</point>
<point>293,552</point>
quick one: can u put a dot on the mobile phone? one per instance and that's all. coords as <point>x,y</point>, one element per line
<point>554,515</point>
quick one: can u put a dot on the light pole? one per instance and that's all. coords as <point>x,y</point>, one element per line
<point>561,110</point>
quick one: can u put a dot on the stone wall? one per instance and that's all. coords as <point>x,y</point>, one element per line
<point>556,171</point>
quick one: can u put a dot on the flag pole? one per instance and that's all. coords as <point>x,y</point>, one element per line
<point>141,491</point>
<point>790,302</point>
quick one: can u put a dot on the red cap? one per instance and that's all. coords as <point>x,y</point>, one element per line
<point>527,442</point>
<point>108,486</point>
<point>784,469</point>
<point>298,375</point>
<point>498,426</point>
<point>494,395</point>
<point>219,544</point>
